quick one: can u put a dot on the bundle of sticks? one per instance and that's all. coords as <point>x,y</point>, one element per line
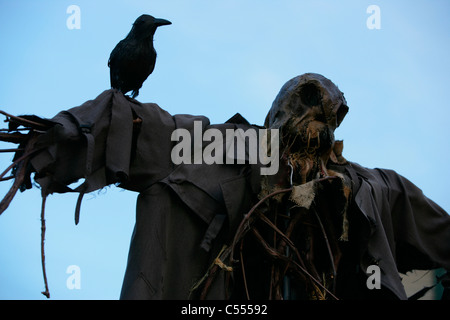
<point>288,261</point>
<point>24,132</point>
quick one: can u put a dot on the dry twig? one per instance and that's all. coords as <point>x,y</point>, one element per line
<point>19,166</point>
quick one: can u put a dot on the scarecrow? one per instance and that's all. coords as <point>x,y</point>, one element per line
<point>223,230</point>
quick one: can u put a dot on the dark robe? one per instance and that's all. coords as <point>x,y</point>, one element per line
<point>186,213</point>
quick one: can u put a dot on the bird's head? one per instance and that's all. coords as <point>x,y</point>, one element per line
<point>146,25</point>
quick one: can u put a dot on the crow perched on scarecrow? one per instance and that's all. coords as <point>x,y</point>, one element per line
<point>133,59</point>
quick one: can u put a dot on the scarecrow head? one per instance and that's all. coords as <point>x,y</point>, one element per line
<point>307,110</point>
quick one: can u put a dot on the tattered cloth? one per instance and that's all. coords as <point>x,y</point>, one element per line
<point>186,213</point>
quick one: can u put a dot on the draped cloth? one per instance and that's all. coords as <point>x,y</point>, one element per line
<point>186,213</point>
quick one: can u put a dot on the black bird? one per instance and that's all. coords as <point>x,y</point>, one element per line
<point>133,59</point>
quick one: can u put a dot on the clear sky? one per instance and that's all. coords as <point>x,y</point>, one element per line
<point>216,59</point>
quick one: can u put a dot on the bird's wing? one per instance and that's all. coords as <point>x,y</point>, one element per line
<point>116,53</point>
<point>123,52</point>
<point>130,64</point>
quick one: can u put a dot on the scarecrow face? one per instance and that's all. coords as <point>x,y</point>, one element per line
<point>307,110</point>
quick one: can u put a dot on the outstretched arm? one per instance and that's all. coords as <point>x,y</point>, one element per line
<point>92,141</point>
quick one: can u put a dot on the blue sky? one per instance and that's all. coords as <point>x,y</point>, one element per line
<point>216,59</point>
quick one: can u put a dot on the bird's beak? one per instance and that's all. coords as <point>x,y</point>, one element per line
<point>162,22</point>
